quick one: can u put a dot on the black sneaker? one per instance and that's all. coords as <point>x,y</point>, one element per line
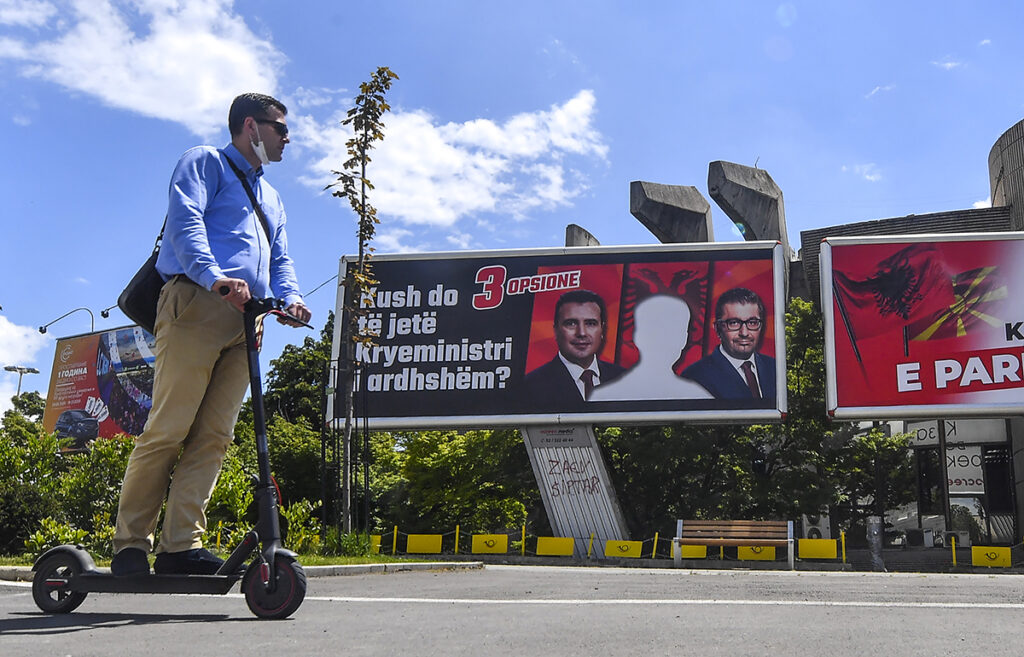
<point>128,562</point>
<point>198,561</point>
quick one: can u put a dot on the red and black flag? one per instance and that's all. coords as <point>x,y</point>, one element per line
<point>907,286</point>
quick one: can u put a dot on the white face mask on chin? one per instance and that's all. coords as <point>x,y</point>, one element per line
<point>260,149</point>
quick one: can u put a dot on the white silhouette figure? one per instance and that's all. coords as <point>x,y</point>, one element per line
<point>660,333</point>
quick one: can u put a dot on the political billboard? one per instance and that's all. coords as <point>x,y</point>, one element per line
<point>571,335</point>
<point>101,385</point>
<point>924,325</point>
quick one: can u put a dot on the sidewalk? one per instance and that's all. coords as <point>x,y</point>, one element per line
<point>906,560</point>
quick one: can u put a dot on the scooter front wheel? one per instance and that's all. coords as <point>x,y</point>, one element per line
<point>282,596</point>
<point>50,584</point>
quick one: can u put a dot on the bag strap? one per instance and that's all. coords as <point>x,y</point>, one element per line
<point>252,198</point>
<point>160,237</point>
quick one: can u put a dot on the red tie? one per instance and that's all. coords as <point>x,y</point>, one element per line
<point>587,377</point>
<point>748,372</point>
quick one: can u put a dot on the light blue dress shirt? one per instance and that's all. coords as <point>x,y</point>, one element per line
<point>213,232</point>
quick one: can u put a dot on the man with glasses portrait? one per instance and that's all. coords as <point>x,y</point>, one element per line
<point>737,369</point>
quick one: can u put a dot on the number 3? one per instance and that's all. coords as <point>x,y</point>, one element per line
<point>492,278</point>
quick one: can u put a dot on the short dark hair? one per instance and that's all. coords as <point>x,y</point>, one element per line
<point>739,295</point>
<point>251,104</point>
<point>581,296</point>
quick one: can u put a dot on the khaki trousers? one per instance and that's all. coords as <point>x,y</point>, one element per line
<point>198,386</point>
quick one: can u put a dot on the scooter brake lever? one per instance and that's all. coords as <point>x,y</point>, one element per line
<point>290,317</point>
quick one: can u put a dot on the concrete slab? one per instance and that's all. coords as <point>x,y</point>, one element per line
<point>673,213</point>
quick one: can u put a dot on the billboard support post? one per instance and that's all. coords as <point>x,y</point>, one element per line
<point>574,484</point>
<point>572,515</point>
<point>944,469</point>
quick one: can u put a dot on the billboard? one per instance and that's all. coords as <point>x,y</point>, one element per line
<point>498,338</point>
<point>101,385</point>
<point>924,325</point>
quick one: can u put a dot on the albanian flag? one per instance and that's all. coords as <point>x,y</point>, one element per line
<point>910,285</point>
<point>689,281</point>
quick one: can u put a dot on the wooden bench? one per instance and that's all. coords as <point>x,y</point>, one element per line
<point>767,533</point>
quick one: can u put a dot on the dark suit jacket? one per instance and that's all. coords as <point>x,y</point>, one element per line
<point>550,387</point>
<point>717,374</point>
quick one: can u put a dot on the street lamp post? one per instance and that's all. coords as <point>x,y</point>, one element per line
<point>22,371</point>
<point>92,320</point>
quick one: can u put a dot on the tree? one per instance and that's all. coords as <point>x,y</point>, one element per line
<point>480,480</point>
<point>871,473</point>
<point>352,184</point>
<point>792,457</point>
<point>30,404</point>
<point>296,379</point>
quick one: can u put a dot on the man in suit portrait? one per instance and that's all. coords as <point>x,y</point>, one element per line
<point>737,369</point>
<point>565,382</point>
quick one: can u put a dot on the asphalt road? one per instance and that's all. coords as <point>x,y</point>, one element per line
<point>533,610</point>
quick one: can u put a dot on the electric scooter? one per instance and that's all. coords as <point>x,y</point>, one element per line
<point>274,583</point>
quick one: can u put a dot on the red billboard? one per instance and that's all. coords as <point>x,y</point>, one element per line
<point>571,335</point>
<point>924,325</point>
<point>101,385</point>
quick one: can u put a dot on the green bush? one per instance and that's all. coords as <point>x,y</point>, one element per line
<point>233,493</point>
<point>52,533</point>
<point>303,534</point>
<point>294,457</point>
<point>22,507</point>
<point>91,486</point>
<point>338,543</point>
<point>100,541</point>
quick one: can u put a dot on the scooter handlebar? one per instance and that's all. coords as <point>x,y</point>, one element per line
<point>271,305</point>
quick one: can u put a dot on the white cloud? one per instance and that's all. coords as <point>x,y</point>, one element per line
<point>880,89</point>
<point>868,172</point>
<point>11,49</point>
<point>987,203</point>
<point>985,42</point>
<point>303,97</point>
<point>947,63</point>
<point>461,241</point>
<point>391,241</point>
<point>181,61</point>
<point>427,173</point>
<point>19,345</point>
<point>26,13</point>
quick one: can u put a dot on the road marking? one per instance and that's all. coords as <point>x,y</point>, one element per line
<point>678,602</point>
<point>867,604</point>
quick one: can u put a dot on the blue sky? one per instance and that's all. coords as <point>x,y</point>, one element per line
<point>510,120</point>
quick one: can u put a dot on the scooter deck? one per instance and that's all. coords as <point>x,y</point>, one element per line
<point>97,582</point>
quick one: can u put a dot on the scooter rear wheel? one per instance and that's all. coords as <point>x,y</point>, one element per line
<point>286,591</point>
<point>49,586</point>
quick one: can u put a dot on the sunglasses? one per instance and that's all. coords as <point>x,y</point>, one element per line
<point>280,128</point>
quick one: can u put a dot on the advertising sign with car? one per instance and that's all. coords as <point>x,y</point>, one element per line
<point>101,386</point>
<point>572,335</point>
<point>924,325</point>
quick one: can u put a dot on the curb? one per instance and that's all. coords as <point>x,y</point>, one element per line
<point>24,573</point>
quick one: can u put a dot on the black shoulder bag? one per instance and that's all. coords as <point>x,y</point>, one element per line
<point>138,299</point>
